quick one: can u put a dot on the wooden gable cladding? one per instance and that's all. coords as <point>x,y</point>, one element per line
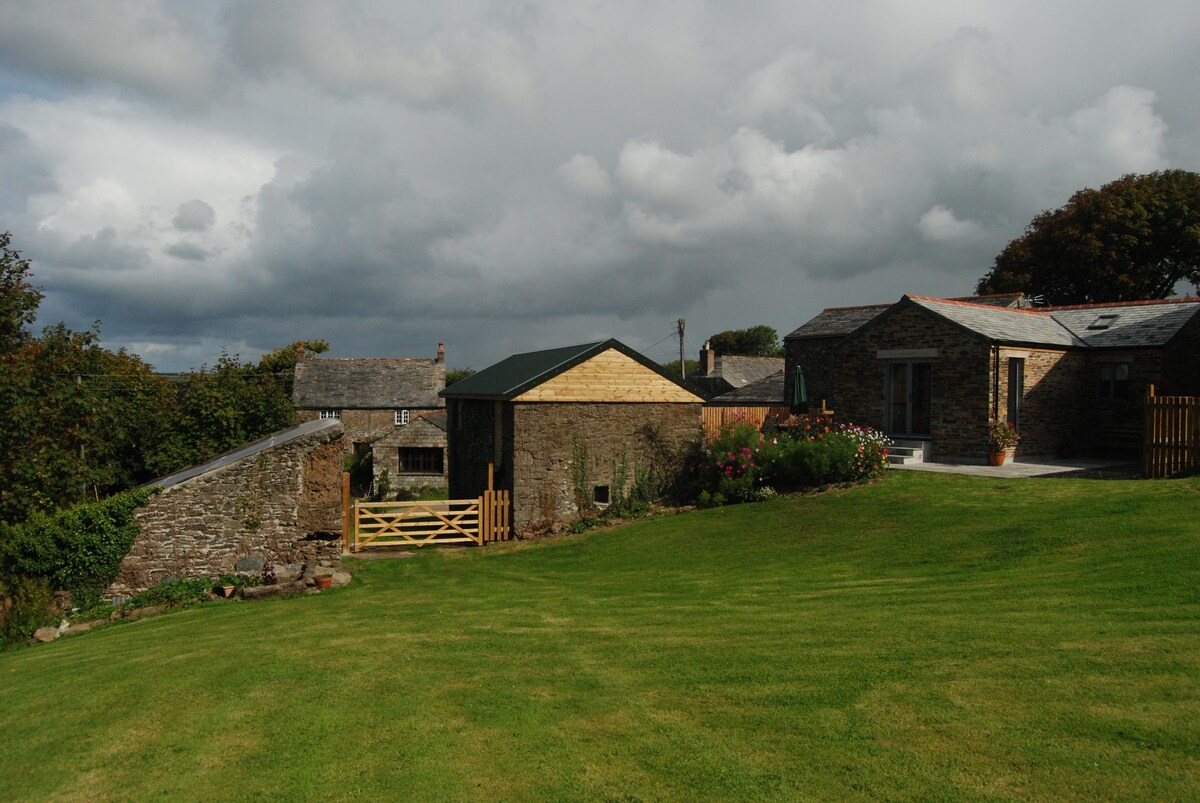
<point>610,376</point>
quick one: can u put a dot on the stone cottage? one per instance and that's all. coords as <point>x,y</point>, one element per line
<point>414,455</point>
<point>933,371</point>
<point>375,399</point>
<point>720,374</point>
<point>277,500</point>
<point>563,422</point>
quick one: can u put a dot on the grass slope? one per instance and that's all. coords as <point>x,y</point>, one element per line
<point>928,636</point>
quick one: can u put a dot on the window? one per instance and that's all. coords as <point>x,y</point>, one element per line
<point>600,495</point>
<point>1016,389</point>
<point>401,417</point>
<point>420,460</point>
<point>331,414</point>
<point>1103,321</point>
<point>1114,381</point>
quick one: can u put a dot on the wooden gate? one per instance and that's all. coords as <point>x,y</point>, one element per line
<point>1171,443</point>
<point>443,521</point>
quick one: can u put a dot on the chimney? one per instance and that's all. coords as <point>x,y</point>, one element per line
<point>441,357</point>
<point>708,360</point>
<point>299,350</point>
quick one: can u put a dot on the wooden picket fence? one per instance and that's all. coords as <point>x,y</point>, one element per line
<point>1171,442</point>
<point>444,521</point>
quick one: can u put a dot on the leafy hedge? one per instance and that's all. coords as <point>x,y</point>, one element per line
<point>740,464</point>
<point>77,549</point>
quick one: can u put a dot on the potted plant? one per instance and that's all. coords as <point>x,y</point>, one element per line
<point>324,581</point>
<point>1002,436</point>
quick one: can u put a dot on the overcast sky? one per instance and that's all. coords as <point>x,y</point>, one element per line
<point>509,176</point>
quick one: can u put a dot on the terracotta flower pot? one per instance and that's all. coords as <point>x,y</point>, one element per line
<point>997,458</point>
<point>324,581</point>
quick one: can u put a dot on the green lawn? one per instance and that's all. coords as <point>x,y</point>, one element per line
<point>925,637</point>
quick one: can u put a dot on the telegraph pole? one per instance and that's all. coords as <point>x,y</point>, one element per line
<point>682,365</point>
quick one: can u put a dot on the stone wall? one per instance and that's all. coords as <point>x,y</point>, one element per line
<point>543,444</point>
<point>282,503</point>
<point>1181,362</point>
<point>364,426</point>
<point>960,378</point>
<point>472,431</point>
<point>1050,422</point>
<point>818,358</point>
<point>385,454</point>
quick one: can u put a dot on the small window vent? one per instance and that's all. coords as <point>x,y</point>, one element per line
<point>1104,321</point>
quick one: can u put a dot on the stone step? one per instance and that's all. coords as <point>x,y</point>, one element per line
<point>903,452</point>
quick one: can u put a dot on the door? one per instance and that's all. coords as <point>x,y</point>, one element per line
<point>909,399</point>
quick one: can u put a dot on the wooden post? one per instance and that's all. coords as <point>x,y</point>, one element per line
<point>346,523</point>
<point>1148,433</point>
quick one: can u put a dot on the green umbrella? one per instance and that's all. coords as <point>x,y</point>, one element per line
<point>800,391</point>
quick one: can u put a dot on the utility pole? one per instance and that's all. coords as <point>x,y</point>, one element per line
<point>682,365</point>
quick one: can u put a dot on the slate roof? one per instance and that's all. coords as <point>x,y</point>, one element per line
<point>840,321</point>
<point>1138,324</point>
<point>1001,324</point>
<point>739,371</point>
<point>765,392</point>
<point>514,375</point>
<point>368,384</point>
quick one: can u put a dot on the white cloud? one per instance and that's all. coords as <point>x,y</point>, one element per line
<point>584,175</point>
<point>940,225</point>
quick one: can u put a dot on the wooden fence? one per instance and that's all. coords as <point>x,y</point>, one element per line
<point>444,521</point>
<point>717,417</point>
<point>1171,442</point>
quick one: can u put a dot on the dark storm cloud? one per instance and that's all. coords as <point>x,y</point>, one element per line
<point>389,175</point>
<point>194,215</point>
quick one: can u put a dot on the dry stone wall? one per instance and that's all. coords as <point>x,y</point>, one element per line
<point>282,505</point>
<point>546,438</point>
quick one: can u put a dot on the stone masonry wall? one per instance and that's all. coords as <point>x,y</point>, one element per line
<point>283,504</point>
<point>1181,362</point>
<point>544,438</point>
<point>1050,422</point>
<point>960,379</point>
<point>362,426</point>
<point>816,356</point>
<point>471,425</point>
<point>418,434</point>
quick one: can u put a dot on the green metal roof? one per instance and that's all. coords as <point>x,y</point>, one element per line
<point>515,375</point>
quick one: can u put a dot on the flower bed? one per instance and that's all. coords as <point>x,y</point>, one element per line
<point>741,464</point>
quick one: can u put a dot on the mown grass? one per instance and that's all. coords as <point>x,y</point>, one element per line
<point>925,637</point>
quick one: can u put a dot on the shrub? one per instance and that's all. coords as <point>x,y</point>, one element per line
<point>77,549</point>
<point>810,452</point>
<point>31,607</point>
<point>172,592</point>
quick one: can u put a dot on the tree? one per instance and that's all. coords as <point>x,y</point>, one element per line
<point>757,341</point>
<point>458,375</point>
<point>19,299</point>
<point>1134,238</point>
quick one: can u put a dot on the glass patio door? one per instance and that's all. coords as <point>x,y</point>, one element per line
<point>909,398</point>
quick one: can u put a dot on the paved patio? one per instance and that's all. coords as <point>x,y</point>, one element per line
<point>1040,467</point>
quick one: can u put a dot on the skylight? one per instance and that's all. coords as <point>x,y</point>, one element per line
<point>1103,321</point>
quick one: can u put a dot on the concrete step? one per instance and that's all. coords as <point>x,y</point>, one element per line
<point>903,452</point>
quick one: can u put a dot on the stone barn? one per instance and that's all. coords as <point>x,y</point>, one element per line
<point>563,422</point>
<point>277,500</point>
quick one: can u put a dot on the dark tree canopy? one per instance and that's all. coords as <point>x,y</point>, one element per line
<point>757,341</point>
<point>1134,238</point>
<point>19,299</point>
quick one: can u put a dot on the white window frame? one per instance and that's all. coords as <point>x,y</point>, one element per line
<point>401,418</point>
<point>334,414</point>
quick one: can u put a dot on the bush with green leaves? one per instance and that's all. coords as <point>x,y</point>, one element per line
<point>77,549</point>
<point>172,592</point>
<point>740,462</point>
